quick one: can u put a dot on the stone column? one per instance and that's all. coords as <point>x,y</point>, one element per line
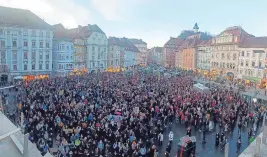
<point>25,144</point>
<point>226,150</point>
<point>264,135</point>
<point>258,147</point>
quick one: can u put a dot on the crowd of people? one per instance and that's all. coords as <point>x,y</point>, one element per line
<point>119,115</point>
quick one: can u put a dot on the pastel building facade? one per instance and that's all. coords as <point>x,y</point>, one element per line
<point>122,53</point>
<point>154,55</point>
<point>169,52</point>
<point>93,54</point>
<point>252,59</point>
<point>141,56</point>
<point>204,56</point>
<point>225,51</point>
<point>63,51</point>
<point>78,36</point>
<point>26,43</point>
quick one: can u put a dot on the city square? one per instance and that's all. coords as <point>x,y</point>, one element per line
<point>74,87</point>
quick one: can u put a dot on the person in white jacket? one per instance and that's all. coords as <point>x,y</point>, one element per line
<point>171,137</point>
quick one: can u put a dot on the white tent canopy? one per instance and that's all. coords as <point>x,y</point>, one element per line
<point>201,88</point>
<point>18,78</point>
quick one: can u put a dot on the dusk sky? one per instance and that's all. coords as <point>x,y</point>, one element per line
<point>154,21</point>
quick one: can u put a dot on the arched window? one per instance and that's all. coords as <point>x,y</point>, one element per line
<point>228,56</point>
<point>234,56</point>
<point>222,55</point>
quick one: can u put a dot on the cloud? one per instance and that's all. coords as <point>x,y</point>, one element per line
<point>67,12</point>
<point>116,10</point>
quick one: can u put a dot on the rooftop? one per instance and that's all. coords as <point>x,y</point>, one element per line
<point>254,42</point>
<point>12,17</point>
<point>123,42</point>
<point>8,148</point>
<point>137,41</point>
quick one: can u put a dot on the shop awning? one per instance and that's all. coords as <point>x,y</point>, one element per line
<point>252,79</point>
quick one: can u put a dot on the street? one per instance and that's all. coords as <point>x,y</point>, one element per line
<point>208,149</point>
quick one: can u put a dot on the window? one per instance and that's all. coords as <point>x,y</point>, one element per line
<point>41,56</point>
<point>33,66</point>
<point>47,66</point>
<point>228,56</point>
<point>247,54</point>
<point>2,44</point>
<point>242,53</point>
<point>25,33</point>
<point>14,55</point>
<point>14,43</point>
<point>25,43</point>
<point>3,56</point>
<point>15,67</point>
<point>98,56</point>
<point>253,64</point>
<point>25,55</point>
<point>41,44</point>
<point>33,44</point>
<point>93,48</point>
<point>33,33</point>
<point>47,56</point>
<point>241,72</point>
<point>247,63</point>
<point>234,56</point>
<point>67,47</point>
<point>253,54</point>
<point>47,45</point>
<point>25,66</point>
<point>99,49</point>
<point>242,63</point>
<point>104,49</point>
<point>47,34</point>
<point>41,34</point>
<point>40,66</point>
<point>33,55</point>
<point>222,55</point>
<point>260,64</point>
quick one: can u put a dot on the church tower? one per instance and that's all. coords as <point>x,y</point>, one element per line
<point>196,28</point>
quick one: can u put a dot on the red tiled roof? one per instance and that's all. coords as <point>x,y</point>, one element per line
<point>254,42</point>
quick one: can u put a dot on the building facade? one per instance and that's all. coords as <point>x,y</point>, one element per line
<point>63,50</point>
<point>204,56</point>
<point>26,43</point>
<point>154,55</point>
<point>79,35</point>
<point>97,48</point>
<point>122,53</point>
<point>141,56</point>
<point>224,50</point>
<point>252,55</point>
<point>169,50</point>
<point>114,53</point>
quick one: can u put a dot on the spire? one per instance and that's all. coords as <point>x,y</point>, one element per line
<point>196,28</point>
